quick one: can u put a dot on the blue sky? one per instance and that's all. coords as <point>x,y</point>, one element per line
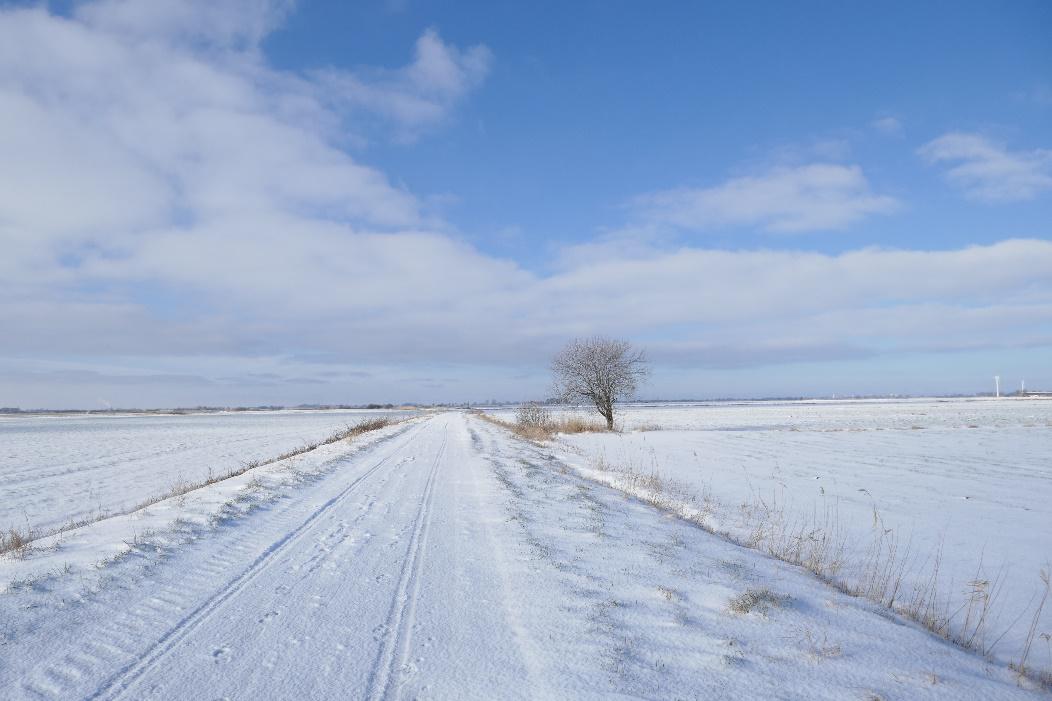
<point>589,104</point>
<point>261,201</point>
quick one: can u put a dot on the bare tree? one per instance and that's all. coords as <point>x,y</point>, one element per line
<point>599,370</point>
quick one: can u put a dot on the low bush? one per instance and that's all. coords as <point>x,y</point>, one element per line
<point>533,415</point>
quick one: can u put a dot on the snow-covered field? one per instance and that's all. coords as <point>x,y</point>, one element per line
<point>57,469</point>
<point>969,481</point>
<point>443,558</point>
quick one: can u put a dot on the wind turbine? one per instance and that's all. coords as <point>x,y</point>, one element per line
<point>997,386</point>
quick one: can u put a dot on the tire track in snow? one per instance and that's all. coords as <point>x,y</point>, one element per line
<point>394,649</point>
<point>111,645</point>
<point>123,679</point>
<point>524,642</point>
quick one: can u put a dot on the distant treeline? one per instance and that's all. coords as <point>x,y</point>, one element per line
<point>207,409</point>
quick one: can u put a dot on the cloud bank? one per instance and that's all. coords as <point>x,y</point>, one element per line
<point>179,216</point>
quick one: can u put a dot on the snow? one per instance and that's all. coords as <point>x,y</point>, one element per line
<point>81,550</point>
<point>443,558</point>
<point>970,481</point>
<point>57,469</point>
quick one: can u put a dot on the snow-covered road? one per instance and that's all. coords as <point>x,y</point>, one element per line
<point>452,561</point>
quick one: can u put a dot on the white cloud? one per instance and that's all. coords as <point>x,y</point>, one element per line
<point>416,96</point>
<point>988,171</point>
<point>227,23</point>
<point>813,197</point>
<point>105,136</point>
<point>887,125</point>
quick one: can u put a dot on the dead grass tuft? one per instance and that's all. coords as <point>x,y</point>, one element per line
<point>1044,677</point>
<point>759,600</point>
<point>17,542</point>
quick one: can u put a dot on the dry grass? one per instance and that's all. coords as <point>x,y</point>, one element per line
<point>578,424</point>
<point>815,541</point>
<point>542,426</point>
<point>1042,677</point>
<point>650,486</point>
<point>820,649</point>
<point>19,543</point>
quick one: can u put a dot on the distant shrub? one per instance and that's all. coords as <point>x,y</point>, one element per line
<point>533,415</point>
<point>364,426</point>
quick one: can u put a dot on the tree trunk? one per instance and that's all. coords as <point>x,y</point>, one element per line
<point>609,414</point>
